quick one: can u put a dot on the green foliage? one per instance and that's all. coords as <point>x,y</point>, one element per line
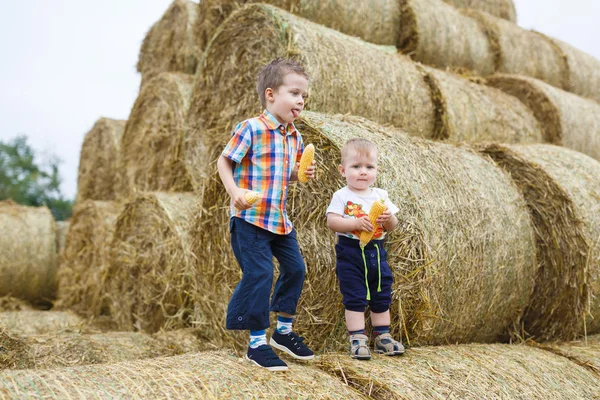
<point>29,182</point>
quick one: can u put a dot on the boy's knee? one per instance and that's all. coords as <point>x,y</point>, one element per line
<point>355,305</point>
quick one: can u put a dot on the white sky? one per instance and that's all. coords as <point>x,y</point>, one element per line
<point>66,63</point>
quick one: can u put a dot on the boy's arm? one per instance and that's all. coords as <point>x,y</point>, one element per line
<point>338,223</point>
<point>225,168</point>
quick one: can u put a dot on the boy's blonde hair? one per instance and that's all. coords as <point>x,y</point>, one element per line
<point>272,74</point>
<point>362,147</point>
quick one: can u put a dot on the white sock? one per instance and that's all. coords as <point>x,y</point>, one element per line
<point>258,338</point>
<point>284,325</point>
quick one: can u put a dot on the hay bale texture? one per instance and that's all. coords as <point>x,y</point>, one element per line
<point>196,376</point>
<point>33,322</point>
<point>71,349</point>
<point>170,45</point>
<point>28,258</point>
<point>469,112</point>
<point>9,303</point>
<point>437,34</point>
<point>523,52</point>
<point>562,191</point>
<point>585,352</point>
<point>346,16</point>
<point>474,371</point>
<point>61,235</point>
<point>464,260</point>
<point>98,161</point>
<point>152,267</point>
<point>504,9</point>
<point>566,119</point>
<point>84,268</point>
<point>584,71</point>
<point>152,143</point>
<point>337,64</point>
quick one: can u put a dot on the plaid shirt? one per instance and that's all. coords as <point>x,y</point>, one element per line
<point>265,154</point>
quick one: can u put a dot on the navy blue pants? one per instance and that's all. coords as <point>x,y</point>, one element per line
<point>355,272</point>
<point>254,249</point>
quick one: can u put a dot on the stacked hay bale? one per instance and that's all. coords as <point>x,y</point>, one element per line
<point>198,376</point>
<point>467,371</point>
<point>562,191</point>
<point>437,34</point>
<point>98,161</point>
<point>347,16</point>
<point>344,77</point>
<point>28,255</point>
<point>499,8</point>
<point>170,45</point>
<point>470,112</point>
<point>33,322</point>
<point>464,262</point>
<point>523,52</point>
<point>584,71</point>
<point>565,118</point>
<point>152,143</point>
<point>84,269</point>
<point>152,268</point>
<point>70,349</point>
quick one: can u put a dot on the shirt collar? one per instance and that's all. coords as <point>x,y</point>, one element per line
<point>273,124</point>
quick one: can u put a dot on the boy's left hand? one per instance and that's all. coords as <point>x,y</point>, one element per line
<point>310,171</point>
<point>384,217</point>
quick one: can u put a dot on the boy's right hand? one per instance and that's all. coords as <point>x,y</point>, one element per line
<point>363,224</point>
<point>239,199</point>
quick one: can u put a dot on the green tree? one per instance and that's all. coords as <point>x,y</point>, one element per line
<point>29,182</point>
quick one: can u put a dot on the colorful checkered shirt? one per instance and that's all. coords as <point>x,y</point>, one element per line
<point>265,154</point>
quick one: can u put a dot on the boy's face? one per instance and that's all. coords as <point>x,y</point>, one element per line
<point>287,102</point>
<point>360,170</point>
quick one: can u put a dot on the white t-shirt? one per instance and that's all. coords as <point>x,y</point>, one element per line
<point>352,206</point>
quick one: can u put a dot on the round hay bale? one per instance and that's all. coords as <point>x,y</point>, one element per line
<point>33,322</point>
<point>71,349</point>
<point>346,16</point>
<point>170,45</point>
<point>195,376</point>
<point>464,260</point>
<point>225,93</point>
<point>61,235</point>
<point>497,371</point>
<point>584,70</point>
<point>437,34</point>
<point>562,191</point>
<point>585,352</point>
<point>467,111</point>
<point>84,268</point>
<point>152,143</point>
<point>565,118</point>
<point>152,268</point>
<point>27,253</point>
<point>523,52</point>
<point>98,161</point>
<point>504,9</point>
<point>9,303</point>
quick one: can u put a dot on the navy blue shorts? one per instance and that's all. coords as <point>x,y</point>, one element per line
<point>350,270</point>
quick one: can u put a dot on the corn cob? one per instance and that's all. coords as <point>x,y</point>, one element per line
<point>376,210</point>
<point>251,196</point>
<point>306,161</point>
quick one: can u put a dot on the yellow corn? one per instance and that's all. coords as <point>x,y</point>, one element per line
<point>306,161</point>
<point>376,210</point>
<point>251,196</point>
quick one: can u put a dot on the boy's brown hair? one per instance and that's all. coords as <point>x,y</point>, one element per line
<point>272,74</point>
<point>362,147</point>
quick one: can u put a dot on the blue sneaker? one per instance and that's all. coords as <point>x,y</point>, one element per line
<point>265,357</point>
<point>292,344</point>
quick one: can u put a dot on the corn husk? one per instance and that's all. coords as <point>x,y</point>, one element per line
<point>152,144</point>
<point>565,118</point>
<point>562,191</point>
<point>28,257</point>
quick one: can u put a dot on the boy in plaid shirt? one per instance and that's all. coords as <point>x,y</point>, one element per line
<point>263,155</point>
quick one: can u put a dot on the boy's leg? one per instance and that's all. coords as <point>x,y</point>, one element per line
<point>249,305</point>
<point>287,293</point>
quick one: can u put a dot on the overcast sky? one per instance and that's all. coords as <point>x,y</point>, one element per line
<point>66,63</point>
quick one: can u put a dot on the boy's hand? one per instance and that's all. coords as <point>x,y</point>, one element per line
<point>239,199</point>
<point>363,224</point>
<point>384,217</point>
<point>310,171</point>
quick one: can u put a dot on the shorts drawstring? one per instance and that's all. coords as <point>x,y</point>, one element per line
<point>367,271</point>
